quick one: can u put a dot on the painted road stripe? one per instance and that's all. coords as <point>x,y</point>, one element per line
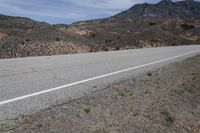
<point>91,79</point>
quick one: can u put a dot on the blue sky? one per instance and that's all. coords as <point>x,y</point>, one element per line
<point>66,11</point>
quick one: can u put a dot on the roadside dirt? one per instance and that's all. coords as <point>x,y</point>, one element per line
<point>162,101</point>
<point>2,35</point>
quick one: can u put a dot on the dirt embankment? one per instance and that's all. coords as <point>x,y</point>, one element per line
<point>164,100</point>
<point>2,35</point>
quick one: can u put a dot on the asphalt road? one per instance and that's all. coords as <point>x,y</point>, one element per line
<point>32,84</point>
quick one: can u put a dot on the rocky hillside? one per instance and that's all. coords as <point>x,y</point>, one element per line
<point>165,8</point>
<point>166,23</point>
<point>18,25</point>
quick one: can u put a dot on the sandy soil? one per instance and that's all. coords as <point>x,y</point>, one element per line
<point>2,35</point>
<point>162,101</point>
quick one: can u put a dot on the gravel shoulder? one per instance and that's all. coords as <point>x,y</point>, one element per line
<point>164,100</point>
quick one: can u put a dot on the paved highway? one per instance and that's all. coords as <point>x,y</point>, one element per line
<point>31,84</point>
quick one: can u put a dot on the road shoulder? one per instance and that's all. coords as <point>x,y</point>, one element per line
<point>164,100</point>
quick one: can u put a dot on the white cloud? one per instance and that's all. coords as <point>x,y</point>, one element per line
<point>106,4</point>
<point>6,5</point>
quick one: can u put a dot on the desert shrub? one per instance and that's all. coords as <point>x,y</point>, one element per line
<point>117,48</point>
<point>187,26</point>
<point>168,117</point>
<point>118,37</point>
<point>108,41</point>
<point>57,39</point>
<point>152,23</point>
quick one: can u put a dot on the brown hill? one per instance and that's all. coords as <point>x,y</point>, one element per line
<point>166,23</point>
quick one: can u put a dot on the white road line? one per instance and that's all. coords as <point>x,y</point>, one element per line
<point>90,79</point>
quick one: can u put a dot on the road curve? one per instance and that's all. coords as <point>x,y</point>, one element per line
<point>31,84</point>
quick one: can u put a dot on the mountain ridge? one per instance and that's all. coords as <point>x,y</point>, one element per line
<point>166,23</point>
<point>164,8</point>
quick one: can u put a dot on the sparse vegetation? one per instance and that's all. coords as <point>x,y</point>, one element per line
<point>187,26</point>
<point>169,119</point>
<point>149,74</point>
<point>180,92</point>
<point>87,110</point>
<point>124,93</point>
<point>170,25</point>
<point>152,23</point>
<point>114,110</point>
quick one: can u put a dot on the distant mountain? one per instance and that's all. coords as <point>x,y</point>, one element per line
<point>165,8</point>
<point>166,23</point>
